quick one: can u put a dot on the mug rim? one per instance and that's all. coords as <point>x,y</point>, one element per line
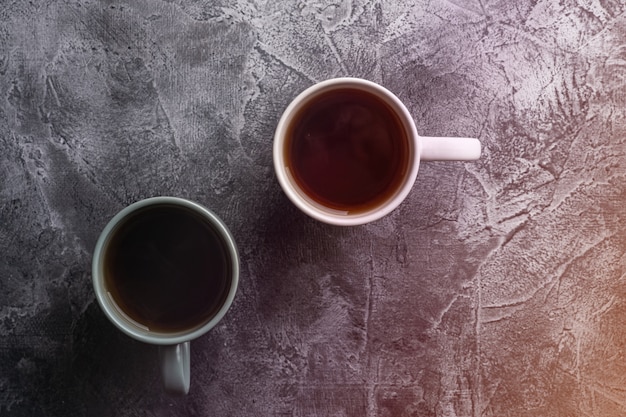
<point>126,324</point>
<point>299,197</point>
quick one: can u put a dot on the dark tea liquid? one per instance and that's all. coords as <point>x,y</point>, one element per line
<point>167,269</point>
<point>347,150</point>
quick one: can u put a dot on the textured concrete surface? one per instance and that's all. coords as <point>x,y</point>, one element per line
<point>496,289</point>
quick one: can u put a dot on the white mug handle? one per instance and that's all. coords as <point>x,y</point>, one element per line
<point>175,368</point>
<point>449,149</point>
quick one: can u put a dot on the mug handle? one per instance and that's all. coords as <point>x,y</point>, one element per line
<point>175,368</point>
<point>449,149</point>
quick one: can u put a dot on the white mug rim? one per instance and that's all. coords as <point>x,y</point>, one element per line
<point>125,324</point>
<point>317,211</point>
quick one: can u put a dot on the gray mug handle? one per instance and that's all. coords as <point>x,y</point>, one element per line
<point>175,367</point>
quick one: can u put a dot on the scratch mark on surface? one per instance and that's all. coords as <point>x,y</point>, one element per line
<point>555,282</point>
<point>551,282</point>
<point>578,349</point>
<point>262,49</point>
<point>607,26</point>
<point>477,395</point>
<point>510,304</point>
<point>511,234</point>
<point>336,53</point>
<point>443,312</point>
<point>160,111</point>
<point>53,90</point>
<point>498,319</point>
<point>605,307</point>
<point>466,7</point>
<point>371,394</point>
<point>609,396</point>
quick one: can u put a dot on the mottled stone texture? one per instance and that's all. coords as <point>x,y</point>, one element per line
<point>497,289</point>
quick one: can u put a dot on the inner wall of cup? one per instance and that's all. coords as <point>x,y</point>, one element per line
<point>329,215</point>
<point>116,313</point>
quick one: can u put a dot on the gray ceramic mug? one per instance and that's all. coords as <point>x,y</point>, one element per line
<point>173,343</point>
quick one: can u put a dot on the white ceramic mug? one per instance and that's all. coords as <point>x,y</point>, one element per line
<point>417,148</point>
<point>173,345</point>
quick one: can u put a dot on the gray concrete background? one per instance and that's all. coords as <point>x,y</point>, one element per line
<point>496,289</point>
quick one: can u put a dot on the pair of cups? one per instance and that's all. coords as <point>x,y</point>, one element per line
<point>346,152</point>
